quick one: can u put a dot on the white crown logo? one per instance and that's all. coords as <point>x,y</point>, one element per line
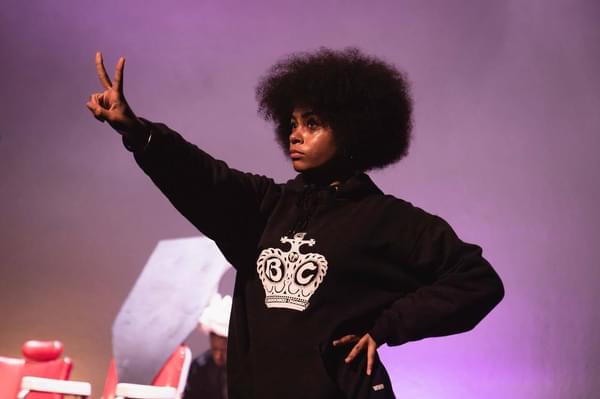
<point>290,278</point>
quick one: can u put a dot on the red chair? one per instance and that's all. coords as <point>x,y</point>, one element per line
<point>169,383</point>
<point>41,373</point>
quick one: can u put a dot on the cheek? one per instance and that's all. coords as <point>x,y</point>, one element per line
<point>325,148</point>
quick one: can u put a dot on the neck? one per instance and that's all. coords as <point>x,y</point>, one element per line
<point>328,175</point>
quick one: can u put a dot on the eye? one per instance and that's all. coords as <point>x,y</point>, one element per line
<point>293,124</point>
<point>313,124</point>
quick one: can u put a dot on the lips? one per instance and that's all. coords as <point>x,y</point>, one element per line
<point>295,154</point>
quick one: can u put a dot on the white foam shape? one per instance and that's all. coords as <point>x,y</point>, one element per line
<point>164,305</point>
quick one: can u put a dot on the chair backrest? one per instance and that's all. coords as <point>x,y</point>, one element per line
<point>172,374</point>
<point>40,359</point>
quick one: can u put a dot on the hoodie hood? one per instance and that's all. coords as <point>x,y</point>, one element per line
<point>312,196</point>
<point>358,184</point>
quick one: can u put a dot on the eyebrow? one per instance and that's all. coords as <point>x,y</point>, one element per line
<point>307,114</point>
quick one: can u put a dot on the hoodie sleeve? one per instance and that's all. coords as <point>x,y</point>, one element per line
<point>461,289</point>
<point>226,205</point>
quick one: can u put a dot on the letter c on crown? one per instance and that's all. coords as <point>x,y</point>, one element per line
<point>310,269</point>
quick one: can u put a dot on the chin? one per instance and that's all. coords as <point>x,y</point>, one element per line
<point>299,167</point>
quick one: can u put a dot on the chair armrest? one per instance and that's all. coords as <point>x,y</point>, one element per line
<point>138,391</point>
<point>51,385</point>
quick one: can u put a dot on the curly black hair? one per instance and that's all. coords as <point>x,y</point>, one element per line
<point>364,100</point>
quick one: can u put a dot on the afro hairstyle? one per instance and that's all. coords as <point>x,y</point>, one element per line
<point>364,100</point>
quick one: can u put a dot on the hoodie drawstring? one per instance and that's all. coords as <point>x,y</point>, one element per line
<point>307,203</point>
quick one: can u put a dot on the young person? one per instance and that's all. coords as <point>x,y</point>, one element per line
<point>328,267</point>
<point>207,377</point>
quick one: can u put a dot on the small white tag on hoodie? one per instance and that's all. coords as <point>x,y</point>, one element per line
<point>378,387</point>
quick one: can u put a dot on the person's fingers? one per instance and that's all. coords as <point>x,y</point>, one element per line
<point>98,100</point>
<point>118,81</point>
<point>101,71</point>
<point>92,103</point>
<point>355,350</point>
<point>95,108</point>
<point>98,113</point>
<point>371,351</point>
<point>346,339</point>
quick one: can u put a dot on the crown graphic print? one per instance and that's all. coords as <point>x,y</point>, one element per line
<point>290,277</point>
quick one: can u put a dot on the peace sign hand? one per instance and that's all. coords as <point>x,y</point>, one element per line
<point>110,105</point>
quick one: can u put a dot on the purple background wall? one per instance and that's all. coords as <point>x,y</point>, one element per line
<point>506,141</point>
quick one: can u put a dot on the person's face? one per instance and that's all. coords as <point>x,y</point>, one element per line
<point>312,143</point>
<point>218,348</point>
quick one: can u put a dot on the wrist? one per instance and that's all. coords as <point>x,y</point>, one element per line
<point>138,137</point>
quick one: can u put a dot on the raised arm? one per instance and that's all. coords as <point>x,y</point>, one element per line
<point>227,205</point>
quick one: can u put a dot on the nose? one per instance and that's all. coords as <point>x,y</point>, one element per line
<point>219,357</point>
<point>296,137</point>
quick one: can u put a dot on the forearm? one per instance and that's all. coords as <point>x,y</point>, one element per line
<point>223,203</point>
<point>136,135</point>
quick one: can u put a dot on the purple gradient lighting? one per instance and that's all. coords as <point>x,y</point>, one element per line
<point>506,146</point>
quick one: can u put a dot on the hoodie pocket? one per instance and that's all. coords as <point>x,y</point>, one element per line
<point>326,357</point>
<point>351,380</point>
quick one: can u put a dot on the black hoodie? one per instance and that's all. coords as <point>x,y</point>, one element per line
<point>317,263</point>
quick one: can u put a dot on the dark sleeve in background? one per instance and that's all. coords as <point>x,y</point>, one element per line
<point>205,380</point>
